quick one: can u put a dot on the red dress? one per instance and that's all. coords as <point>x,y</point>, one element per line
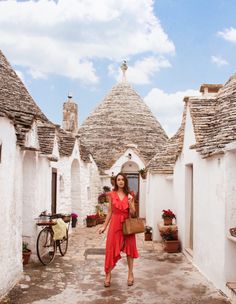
<point>116,241</point>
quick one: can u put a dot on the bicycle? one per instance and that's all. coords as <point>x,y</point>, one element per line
<point>46,245</point>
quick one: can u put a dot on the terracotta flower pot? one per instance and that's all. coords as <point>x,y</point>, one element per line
<point>172,246</point>
<point>148,236</point>
<point>26,256</point>
<point>90,222</point>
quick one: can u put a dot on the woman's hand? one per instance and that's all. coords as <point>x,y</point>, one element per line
<point>130,197</point>
<point>101,230</point>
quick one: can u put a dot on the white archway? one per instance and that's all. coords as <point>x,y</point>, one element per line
<point>130,167</point>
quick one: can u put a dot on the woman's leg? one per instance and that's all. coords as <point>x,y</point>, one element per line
<point>130,262</point>
<point>107,281</point>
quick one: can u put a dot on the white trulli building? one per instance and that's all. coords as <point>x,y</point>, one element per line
<point>42,167</point>
<point>122,134</point>
<point>195,175</point>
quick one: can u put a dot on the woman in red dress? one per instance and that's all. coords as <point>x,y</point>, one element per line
<point>121,203</point>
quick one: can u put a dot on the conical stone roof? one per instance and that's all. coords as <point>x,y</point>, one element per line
<point>16,102</point>
<point>121,121</point>
<point>220,128</point>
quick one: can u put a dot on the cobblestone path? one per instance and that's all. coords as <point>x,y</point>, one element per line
<point>77,278</point>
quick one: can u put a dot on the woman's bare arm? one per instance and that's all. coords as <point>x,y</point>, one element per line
<point>131,205</point>
<point>108,217</point>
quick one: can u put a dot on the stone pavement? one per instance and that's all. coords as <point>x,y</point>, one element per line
<point>77,278</point>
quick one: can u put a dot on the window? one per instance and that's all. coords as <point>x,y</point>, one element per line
<point>88,193</point>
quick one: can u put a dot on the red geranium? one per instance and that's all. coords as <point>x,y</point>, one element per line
<point>92,216</point>
<point>168,213</point>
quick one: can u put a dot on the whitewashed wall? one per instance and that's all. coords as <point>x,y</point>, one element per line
<point>208,208</point>
<point>159,196</point>
<point>11,208</point>
<point>78,185</point>
<point>142,197</point>
<point>230,204</point>
<point>95,183</point>
<point>41,202</point>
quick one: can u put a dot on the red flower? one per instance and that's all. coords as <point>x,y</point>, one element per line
<point>168,213</point>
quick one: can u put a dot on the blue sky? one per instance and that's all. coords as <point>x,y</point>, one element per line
<point>77,46</point>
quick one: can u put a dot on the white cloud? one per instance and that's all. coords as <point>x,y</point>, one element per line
<point>229,34</point>
<point>168,108</point>
<point>219,61</point>
<point>21,75</point>
<point>65,38</point>
<point>141,71</point>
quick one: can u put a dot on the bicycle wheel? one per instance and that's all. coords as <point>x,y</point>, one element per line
<point>46,246</point>
<point>63,244</point>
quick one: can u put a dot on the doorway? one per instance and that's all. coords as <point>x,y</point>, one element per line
<point>189,207</point>
<point>130,169</point>
<point>133,180</point>
<point>54,191</point>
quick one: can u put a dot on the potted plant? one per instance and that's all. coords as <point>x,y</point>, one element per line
<point>100,214</point>
<point>170,238</point>
<point>102,198</point>
<point>26,252</point>
<point>148,233</point>
<point>143,173</point>
<point>168,216</point>
<point>91,220</point>
<point>74,217</point>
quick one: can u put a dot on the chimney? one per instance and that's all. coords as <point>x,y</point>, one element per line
<point>207,89</point>
<point>70,115</point>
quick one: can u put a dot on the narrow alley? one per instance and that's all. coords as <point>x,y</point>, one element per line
<point>160,278</point>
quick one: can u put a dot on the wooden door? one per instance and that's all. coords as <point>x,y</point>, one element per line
<point>54,191</point>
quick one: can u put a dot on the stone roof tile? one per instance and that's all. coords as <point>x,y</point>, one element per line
<point>46,135</point>
<point>15,101</point>
<point>163,162</point>
<point>218,125</point>
<point>120,120</point>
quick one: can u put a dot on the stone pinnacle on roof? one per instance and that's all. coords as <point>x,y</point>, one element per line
<point>69,96</point>
<point>124,68</point>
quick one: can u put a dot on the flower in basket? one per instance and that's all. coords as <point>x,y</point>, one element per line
<point>169,234</point>
<point>74,215</point>
<point>168,214</point>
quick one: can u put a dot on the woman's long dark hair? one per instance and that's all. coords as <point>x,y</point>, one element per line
<point>126,185</point>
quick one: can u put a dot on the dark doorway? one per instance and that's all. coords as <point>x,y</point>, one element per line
<point>133,179</point>
<point>54,191</point>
